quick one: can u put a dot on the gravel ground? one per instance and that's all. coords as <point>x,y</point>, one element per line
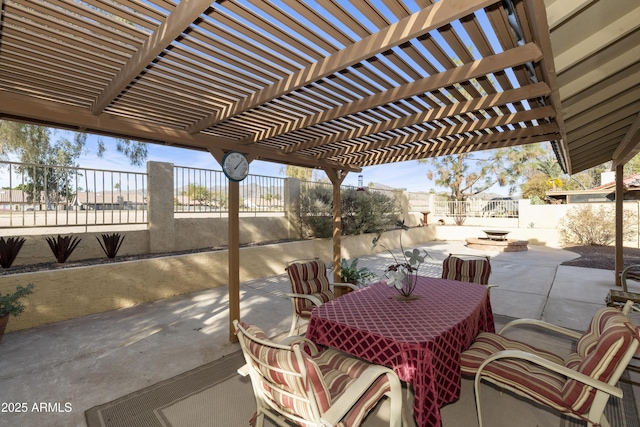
<point>602,257</point>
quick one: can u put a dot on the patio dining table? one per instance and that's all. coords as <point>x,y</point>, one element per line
<point>420,339</point>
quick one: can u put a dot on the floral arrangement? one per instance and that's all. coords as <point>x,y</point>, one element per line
<point>403,273</point>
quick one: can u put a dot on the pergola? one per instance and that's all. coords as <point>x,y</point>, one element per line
<point>334,85</point>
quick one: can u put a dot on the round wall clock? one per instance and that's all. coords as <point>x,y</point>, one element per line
<point>235,166</point>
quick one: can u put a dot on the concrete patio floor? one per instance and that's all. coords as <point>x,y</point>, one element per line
<point>77,364</point>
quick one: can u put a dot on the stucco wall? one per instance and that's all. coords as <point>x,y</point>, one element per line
<point>79,291</point>
<point>190,233</point>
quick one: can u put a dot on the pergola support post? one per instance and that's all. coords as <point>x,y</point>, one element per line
<point>234,257</point>
<point>336,176</point>
<point>619,261</point>
<point>234,247</point>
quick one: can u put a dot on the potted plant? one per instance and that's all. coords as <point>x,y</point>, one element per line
<point>10,304</point>
<point>351,273</point>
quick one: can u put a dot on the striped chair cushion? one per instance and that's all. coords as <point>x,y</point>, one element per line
<point>598,323</point>
<point>529,379</point>
<point>339,371</point>
<point>328,374</point>
<point>470,270</point>
<point>281,386</point>
<point>600,362</point>
<point>309,278</point>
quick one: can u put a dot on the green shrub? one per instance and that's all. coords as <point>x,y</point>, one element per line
<point>367,212</point>
<point>588,225</point>
<point>362,211</point>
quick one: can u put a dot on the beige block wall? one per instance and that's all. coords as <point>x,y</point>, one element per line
<point>190,233</point>
<point>73,292</point>
<point>202,232</point>
<point>36,249</point>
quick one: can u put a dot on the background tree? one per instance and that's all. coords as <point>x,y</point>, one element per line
<point>535,187</point>
<point>42,145</point>
<point>197,193</point>
<point>632,166</point>
<point>550,168</point>
<point>303,174</point>
<point>468,174</point>
<point>39,145</point>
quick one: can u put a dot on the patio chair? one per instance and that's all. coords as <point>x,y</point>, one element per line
<point>578,384</point>
<point>310,288</point>
<point>467,268</point>
<point>619,297</point>
<point>295,381</point>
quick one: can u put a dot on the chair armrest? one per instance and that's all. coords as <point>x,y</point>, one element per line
<point>542,324</point>
<point>492,286</point>
<point>314,300</point>
<point>302,341</point>
<point>244,370</point>
<point>345,285</point>
<point>563,370</point>
<point>354,392</point>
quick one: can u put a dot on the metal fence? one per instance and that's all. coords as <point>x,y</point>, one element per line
<point>40,195</point>
<point>205,191</point>
<point>419,202</point>
<point>495,208</point>
<point>35,195</point>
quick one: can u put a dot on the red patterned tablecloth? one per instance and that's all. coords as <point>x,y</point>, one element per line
<point>421,339</point>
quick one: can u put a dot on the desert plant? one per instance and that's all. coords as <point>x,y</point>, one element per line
<point>586,225</point>
<point>362,211</point>
<point>112,243</point>
<point>351,273</point>
<point>10,304</point>
<point>62,247</point>
<point>9,250</point>
<point>368,211</point>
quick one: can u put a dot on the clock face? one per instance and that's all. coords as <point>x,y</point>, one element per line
<point>235,166</point>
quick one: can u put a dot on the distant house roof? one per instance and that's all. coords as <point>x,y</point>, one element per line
<point>109,197</point>
<point>631,182</point>
<point>13,196</point>
<point>601,193</point>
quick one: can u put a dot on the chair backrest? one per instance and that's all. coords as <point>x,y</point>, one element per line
<point>474,269</point>
<point>309,278</point>
<point>284,378</point>
<point>603,353</point>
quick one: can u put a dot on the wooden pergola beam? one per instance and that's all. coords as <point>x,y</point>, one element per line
<point>511,58</point>
<point>417,154</point>
<point>630,145</point>
<point>445,131</point>
<point>178,21</point>
<point>537,16</point>
<point>459,108</point>
<point>29,109</point>
<point>546,132</point>
<point>415,25</point>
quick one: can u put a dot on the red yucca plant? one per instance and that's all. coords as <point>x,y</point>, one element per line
<point>62,247</point>
<point>9,250</point>
<point>112,243</point>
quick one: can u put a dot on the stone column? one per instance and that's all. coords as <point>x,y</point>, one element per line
<point>160,205</point>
